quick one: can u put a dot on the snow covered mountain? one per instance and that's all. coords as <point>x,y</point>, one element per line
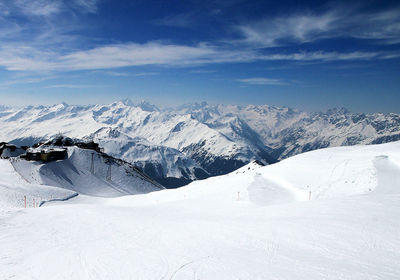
<point>166,165</point>
<point>194,141</point>
<point>288,132</point>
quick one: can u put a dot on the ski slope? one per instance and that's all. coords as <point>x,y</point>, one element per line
<point>13,189</point>
<point>88,172</point>
<point>259,223</point>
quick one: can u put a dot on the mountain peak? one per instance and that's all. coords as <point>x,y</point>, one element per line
<point>146,106</point>
<point>340,110</point>
<point>127,102</point>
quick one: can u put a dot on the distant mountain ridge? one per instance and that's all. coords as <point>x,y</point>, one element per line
<point>194,141</point>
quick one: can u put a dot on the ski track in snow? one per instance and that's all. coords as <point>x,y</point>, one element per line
<point>256,224</point>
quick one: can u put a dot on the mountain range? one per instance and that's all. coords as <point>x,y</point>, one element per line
<point>194,141</point>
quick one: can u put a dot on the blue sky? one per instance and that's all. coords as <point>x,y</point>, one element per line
<point>311,55</point>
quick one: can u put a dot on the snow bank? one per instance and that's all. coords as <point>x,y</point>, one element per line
<point>323,174</point>
<point>337,172</point>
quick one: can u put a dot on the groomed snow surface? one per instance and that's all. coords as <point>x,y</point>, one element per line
<point>87,172</point>
<point>327,214</point>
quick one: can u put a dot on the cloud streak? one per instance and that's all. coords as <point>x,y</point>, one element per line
<point>38,7</point>
<point>47,8</point>
<point>25,80</point>
<point>43,25</point>
<point>15,58</point>
<point>263,82</point>
<point>383,26</point>
<point>73,86</point>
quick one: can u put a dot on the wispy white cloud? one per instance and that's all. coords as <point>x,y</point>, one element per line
<point>115,56</point>
<point>43,35</point>
<point>328,56</point>
<point>43,25</point>
<point>263,81</point>
<point>72,86</point>
<point>25,80</point>
<point>15,58</point>
<point>24,58</point>
<point>3,9</point>
<point>8,28</point>
<point>89,6</point>
<point>203,71</point>
<point>114,73</point>
<point>126,74</point>
<point>132,54</point>
<point>38,7</point>
<point>141,74</point>
<point>47,8</point>
<point>383,26</point>
<point>301,28</point>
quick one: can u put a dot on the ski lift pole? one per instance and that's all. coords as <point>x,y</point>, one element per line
<point>109,172</point>
<point>92,164</point>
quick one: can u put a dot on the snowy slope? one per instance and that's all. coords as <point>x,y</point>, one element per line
<point>13,189</point>
<point>254,225</point>
<point>103,176</point>
<point>254,165</point>
<point>327,173</point>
